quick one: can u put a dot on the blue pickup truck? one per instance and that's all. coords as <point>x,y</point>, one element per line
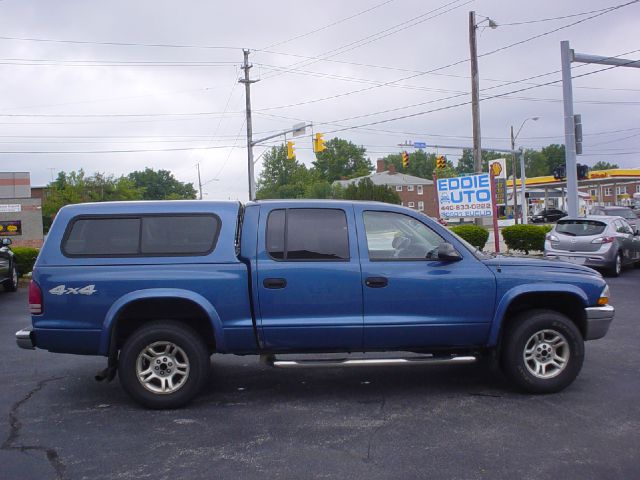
<point>158,287</point>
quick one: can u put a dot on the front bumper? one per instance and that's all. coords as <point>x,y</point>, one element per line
<point>598,321</point>
<point>24,339</point>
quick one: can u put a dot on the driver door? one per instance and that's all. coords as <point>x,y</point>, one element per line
<point>411,299</point>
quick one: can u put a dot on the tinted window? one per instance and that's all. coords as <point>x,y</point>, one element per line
<point>275,234</point>
<point>580,228</point>
<point>103,236</point>
<point>184,234</point>
<point>394,236</point>
<point>622,212</point>
<point>145,236</point>
<point>308,234</point>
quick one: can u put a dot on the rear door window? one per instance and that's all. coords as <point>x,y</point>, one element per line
<point>580,228</point>
<point>308,234</point>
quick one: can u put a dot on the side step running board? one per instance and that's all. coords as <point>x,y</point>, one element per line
<point>272,361</point>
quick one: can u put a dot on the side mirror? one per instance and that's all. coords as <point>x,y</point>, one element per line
<point>6,242</point>
<point>447,253</point>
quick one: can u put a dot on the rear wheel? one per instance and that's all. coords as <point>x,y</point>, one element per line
<point>542,351</point>
<point>11,285</point>
<point>616,268</point>
<point>163,364</point>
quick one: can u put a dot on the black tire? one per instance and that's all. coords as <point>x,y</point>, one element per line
<point>11,285</point>
<point>191,351</point>
<point>616,269</point>
<point>521,333</point>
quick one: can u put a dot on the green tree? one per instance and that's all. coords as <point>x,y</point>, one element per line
<point>76,187</point>
<point>554,154</point>
<point>366,190</point>
<point>161,185</point>
<point>342,159</point>
<point>281,177</point>
<point>604,165</point>
<point>465,162</point>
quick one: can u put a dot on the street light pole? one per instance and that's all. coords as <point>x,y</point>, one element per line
<point>522,172</point>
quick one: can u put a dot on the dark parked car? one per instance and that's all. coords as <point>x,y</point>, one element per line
<point>595,241</point>
<point>8,269</point>
<point>625,212</point>
<point>548,215</point>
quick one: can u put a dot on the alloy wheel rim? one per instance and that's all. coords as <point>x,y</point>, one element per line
<point>546,354</point>
<point>162,367</point>
<point>618,264</point>
<point>14,277</point>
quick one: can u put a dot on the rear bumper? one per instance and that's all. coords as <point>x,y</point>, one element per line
<point>24,339</point>
<point>597,259</point>
<point>598,321</point>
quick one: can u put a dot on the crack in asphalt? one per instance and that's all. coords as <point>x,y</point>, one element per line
<point>15,425</point>
<point>375,430</point>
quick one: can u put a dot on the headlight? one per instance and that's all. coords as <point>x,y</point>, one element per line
<point>604,296</point>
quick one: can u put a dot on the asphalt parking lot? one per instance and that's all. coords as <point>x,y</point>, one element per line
<point>459,422</point>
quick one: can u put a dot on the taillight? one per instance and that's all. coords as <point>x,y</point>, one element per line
<point>35,298</point>
<point>603,240</point>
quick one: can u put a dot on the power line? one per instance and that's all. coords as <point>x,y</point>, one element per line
<point>120,44</point>
<point>333,24</point>
<point>382,33</point>
<point>526,22</point>
<point>447,107</point>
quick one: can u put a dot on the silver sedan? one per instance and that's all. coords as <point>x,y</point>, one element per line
<point>596,241</point>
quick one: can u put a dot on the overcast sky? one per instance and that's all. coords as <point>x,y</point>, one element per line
<point>379,60</point>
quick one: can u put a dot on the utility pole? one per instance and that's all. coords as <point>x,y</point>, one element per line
<point>475,94</point>
<point>513,175</point>
<point>247,90</point>
<point>199,180</point>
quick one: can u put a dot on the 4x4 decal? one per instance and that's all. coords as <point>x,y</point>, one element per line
<point>64,290</point>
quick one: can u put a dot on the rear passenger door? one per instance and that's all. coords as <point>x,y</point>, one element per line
<point>309,292</point>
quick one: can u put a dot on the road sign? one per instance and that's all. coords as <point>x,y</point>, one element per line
<point>419,145</point>
<point>299,129</point>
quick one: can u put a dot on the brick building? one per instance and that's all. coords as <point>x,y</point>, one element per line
<point>415,192</point>
<point>20,214</point>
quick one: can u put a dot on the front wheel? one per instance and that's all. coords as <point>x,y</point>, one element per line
<point>163,364</point>
<point>542,351</point>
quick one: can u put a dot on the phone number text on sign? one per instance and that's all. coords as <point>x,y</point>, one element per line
<point>468,196</point>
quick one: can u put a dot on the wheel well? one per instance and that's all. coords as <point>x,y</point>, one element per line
<point>565,303</point>
<point>139,312</point>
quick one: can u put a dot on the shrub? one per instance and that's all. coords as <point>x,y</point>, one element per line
<point>475,235</point>
<point>25,258</point>
<point>525,237</point>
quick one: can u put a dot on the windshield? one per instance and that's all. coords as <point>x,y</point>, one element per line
<point>474,250</point>
<point>622,212</point>
<point>580,228</point>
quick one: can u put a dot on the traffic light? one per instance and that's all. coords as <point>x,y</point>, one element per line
<point>405,160</point>
<point>559,173</point>
<point>318,143</point>
<point>291,153</point>
<point>441,162</point>
<point>577,127</point>
<point>583,171</point>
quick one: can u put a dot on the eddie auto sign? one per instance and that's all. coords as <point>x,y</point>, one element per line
<point>468,196</point>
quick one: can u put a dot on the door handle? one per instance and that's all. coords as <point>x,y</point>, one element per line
<point>376,282</point>
<point>274,283</point>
